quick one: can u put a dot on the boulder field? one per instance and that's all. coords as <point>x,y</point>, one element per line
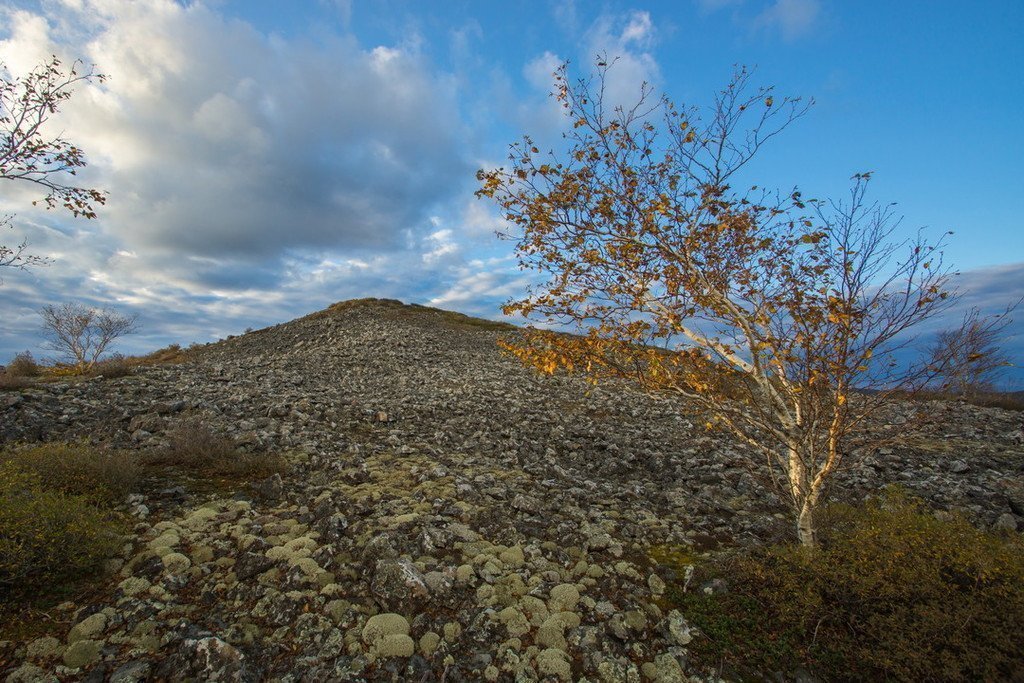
<point>446,515</point>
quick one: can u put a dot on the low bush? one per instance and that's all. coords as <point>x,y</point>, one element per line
<point>49,540</point>
<point>102,476</point>
<point>12,382</point>
<point>23,365</point>
<point>892,594</point>
<point>169,354</point>
<point>193,446</point>
<point>109,368</point>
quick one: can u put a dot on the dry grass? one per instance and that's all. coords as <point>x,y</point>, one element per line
<point>196,449</point>
<point>109,368</point>
<point>167,355</point>
<point>12,383</point>
<point>101,476</point>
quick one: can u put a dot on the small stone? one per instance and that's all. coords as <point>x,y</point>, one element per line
<point>271,489</point>
<point>132,672</point>
<point>399,583</point>
<point>959,467</point>
<point>82,653</point>
<point>636,620</point>
<point>678,628</point>
<point>667,670</point>
<point>656,584</point>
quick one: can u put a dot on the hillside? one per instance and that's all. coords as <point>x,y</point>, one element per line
<point>507,518</point>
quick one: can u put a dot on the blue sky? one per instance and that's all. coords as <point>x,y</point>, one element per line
<point>265,159</point>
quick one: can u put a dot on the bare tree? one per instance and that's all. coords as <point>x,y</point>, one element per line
<point>81,334</point>
<point>766,312</point>
<point>969,358</point>
<point>28,153</point>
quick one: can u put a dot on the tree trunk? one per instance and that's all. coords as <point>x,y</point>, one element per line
<point>806,529</point>
<point>805,499</point>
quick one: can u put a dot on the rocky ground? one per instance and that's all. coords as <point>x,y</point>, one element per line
<point>448,515</point>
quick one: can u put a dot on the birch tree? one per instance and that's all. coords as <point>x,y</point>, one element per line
<point>766,312</point>
<point>31,153</point>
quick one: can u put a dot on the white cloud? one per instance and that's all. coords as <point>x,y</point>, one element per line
<point>627,41</point>
<point>216,140</point>
<point>792,18</point>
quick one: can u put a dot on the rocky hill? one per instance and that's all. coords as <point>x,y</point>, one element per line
<point>448,515</point>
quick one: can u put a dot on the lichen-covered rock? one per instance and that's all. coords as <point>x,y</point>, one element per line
<point>82,653</point>
<point>206,659</point>
<point>88,628</point>
<point>554,662</point>
<point>563,598</point>
<point>398,583</point>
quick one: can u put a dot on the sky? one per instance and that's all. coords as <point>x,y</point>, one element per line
<point>265,159</point>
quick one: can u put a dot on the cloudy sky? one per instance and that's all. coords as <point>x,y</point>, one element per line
<point>264,159</point>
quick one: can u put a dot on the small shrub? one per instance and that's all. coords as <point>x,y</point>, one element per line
<point>23,365</point>
<point>892,594</point>
<point>169,354</point>
<point>49,540</point>
<point>109,368</point>
<point>194,446</point>
<point>102,476</point>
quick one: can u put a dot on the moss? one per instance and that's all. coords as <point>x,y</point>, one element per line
<point>381,625</point>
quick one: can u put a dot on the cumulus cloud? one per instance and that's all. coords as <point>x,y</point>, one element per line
<point>220,142</point>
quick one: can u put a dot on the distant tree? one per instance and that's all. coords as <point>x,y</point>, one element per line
<point>81,334</point>
<point>28,152</point>
<point>766,312</point>
<point>970,356</point>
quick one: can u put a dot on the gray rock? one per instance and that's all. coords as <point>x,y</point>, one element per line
<point>132,672</point>
<point>398,585</point>
<point>1005,522</point>
<point>959,467</point>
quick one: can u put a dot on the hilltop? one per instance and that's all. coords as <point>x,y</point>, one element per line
<point>445,514</point>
